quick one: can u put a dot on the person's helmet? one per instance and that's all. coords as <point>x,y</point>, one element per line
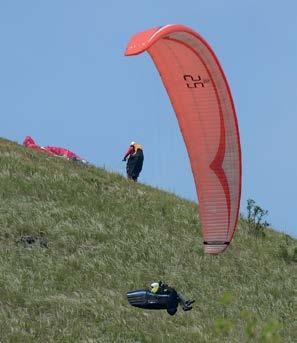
<point>132,143</point>
<point>154,284</point>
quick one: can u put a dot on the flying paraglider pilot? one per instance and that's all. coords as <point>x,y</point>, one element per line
<point>177,298</point>
<point>135,161</point>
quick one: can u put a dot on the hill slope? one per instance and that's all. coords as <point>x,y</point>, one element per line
<point>102,236</point>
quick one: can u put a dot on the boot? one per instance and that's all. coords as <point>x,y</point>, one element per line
<point>190,302</point>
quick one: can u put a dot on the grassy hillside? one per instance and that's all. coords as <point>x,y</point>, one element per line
<point>101,235</point>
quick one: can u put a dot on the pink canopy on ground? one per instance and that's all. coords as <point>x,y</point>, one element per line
<point>30,143</point>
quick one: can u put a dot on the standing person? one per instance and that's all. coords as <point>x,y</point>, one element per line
<point>135,160</point>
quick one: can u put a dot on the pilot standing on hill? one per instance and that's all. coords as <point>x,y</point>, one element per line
<point>135,160</point>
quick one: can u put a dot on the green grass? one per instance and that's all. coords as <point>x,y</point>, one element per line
<point>107,235</point>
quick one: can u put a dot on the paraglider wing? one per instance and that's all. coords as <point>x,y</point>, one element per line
<point>62,152</point>
<point>202,101</point>
<point>30,143</point>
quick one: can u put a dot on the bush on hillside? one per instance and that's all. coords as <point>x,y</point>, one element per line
<point>255,219</point>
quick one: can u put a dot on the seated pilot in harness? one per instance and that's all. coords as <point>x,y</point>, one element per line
<point>176,298</point>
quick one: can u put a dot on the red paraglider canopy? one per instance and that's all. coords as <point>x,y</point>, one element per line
<point>201,98</point>
<point>30,143</point>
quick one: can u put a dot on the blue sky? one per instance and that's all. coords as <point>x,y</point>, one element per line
<point>65,81</point>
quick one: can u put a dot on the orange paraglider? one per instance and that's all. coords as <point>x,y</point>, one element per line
<point>202,101</point>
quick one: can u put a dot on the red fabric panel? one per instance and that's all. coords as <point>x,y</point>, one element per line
<point>202,101</point>
<point>139,41</point>
<point>61,152</point>
<point>30,143</point>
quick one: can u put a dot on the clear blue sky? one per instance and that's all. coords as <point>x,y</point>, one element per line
<point>64,81</point>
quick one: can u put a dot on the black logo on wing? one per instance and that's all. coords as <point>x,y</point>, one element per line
<point>193,82</point>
